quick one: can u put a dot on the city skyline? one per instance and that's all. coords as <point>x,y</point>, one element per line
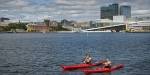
<point>80,10</point>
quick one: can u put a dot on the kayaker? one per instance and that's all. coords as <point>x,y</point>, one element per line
<point>87,59</point>
<point>107,64</point>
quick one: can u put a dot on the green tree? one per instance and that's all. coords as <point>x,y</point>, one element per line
<point>17,26</point>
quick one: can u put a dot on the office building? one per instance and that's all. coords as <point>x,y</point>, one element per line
<point>109,11</point>
<point>126,11</point>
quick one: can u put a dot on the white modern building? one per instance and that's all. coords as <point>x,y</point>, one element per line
<point>141,26</point>
<point>119,19</point>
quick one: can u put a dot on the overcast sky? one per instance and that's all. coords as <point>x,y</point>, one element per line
<point>80,10</point>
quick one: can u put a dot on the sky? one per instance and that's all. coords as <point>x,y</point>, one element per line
<point>79,10</point>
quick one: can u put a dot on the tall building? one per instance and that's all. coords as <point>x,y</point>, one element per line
<point>105,13</point>
<point>109,11</point>
<point>114,9</point>
<point>125,10</point>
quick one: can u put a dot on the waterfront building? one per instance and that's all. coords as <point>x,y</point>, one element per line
<point>82,25</point>
<point>126,11</point>
<point>53,24</point>
<point>107,12</point>
<point>104,22</point>
<point>141,26</point>
<point>119,19</point>
<point>37,27</point>
<point>114,10</point>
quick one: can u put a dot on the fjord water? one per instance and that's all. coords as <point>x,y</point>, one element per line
<point>42,54</point>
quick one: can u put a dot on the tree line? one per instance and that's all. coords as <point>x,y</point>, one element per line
<point>13,26</point>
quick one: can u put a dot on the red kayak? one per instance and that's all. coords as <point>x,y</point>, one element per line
<point>103,70</point>
<point>80,66</point>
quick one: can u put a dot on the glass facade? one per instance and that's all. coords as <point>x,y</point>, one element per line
<point>110,11</point>
<point>126,11</point>
<point>105,13</point>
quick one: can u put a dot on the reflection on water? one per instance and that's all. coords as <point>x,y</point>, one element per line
<point>42,54</point>
<point>106,74</point>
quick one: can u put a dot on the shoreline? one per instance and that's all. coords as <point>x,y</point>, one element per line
<point>76,32</point>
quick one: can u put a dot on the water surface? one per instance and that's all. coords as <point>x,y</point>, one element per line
<point>42,54</point>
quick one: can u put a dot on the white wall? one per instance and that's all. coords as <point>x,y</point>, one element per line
<point>120,19</point>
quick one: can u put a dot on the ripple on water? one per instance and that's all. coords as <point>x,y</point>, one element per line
<point>38,54</point>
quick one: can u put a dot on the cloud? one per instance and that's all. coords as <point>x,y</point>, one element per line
<point>68,9</point>
<point>76,2</point>
<point>13,4</point>
<point>18,3</point>
<point>141,13</point>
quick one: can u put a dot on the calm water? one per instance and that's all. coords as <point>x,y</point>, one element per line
<point>42,54</point>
